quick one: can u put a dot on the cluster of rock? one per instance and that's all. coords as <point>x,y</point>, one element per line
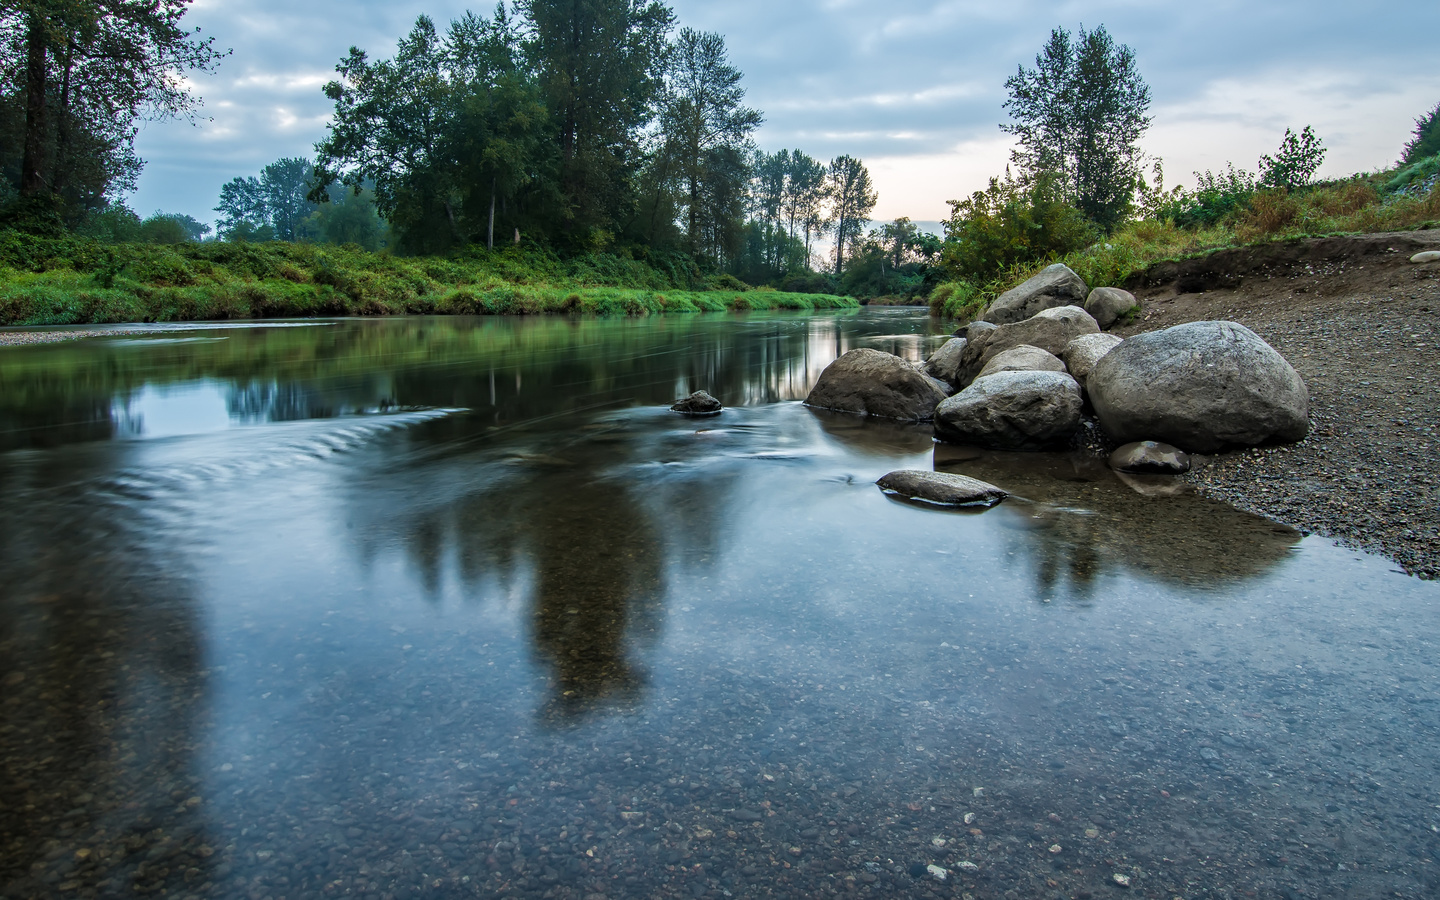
<point>1023,377</point>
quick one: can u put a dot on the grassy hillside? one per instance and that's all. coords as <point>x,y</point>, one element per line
<point>68,281</point>
<point>1200,224</point>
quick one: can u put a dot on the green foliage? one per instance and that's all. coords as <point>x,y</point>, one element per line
<point>957,300</point>
<point>71,280</point>
<point>1295,163</point>
<point>1079,116</point>
<point>852,196</point>
<point>1010,224</point>
<point>1414,174</point>
<point>1218,197</point>
<point>1426,140</point>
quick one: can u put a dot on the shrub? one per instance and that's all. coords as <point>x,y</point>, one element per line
<point>1426,142</point>
<point>1295,163</point>
<point>1010,224</point>
<point>957,300</point>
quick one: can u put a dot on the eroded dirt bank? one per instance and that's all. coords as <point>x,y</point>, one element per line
<point>1358,320</point>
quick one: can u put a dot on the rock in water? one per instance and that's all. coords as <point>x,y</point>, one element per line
<point>1051,330</point>
<point>1201,386</point>
<point>1012,411</point>
<point>1110,305</point>
<point>1023,358</point>
<point>1085,351</point>
<point>1150,458</point>
<point>871,382</point>
<point>1426,256</point>
<point>698,404</point>
<point>944,363</point>
<point>941,488</point>
<point>1056,286</point>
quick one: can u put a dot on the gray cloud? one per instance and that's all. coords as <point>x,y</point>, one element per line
<point>915,85</point>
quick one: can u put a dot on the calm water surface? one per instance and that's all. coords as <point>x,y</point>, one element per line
<point>451,608</point>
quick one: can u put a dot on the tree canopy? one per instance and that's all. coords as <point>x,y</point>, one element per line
<point>81,75</point>
<point>1080,114</point>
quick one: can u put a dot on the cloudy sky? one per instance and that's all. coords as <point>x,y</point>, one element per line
<point>914,87</point>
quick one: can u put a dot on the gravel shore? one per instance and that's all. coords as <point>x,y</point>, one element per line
<point>23,338</point>
<point>1358,321</point>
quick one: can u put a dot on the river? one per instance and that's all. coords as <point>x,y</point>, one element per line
<point>457,607</point>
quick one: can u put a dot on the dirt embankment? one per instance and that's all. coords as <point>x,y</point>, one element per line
<point>1358,320</point>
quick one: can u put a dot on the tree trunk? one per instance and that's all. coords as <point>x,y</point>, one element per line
<point>63,129</point>
<point>32,167</point>
<point>490,232</point>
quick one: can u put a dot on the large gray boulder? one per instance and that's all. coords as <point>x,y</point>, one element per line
<point>1012,411</point>
<point>944,363</point>
<point>1109,305</point>
<point>1023,358</point>
<point>941,488</point>
<point>1085,351</point>
<point>1201,386</point>
<point>1051,330</point>
<point>1056,286</point>
<point>874,383</point>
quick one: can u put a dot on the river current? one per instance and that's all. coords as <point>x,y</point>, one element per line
<point>458,608</point>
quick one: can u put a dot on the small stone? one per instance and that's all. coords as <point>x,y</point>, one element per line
<point>1426,256</point>
<point>632,816</point>
<point>969,818</point>
<point>1208,754</point>
<point>968,866</point>
<point>698,404</point>
<point>937,873</point>
<point>1122,880</point>
<point>938,842</point>
<point>941,488</point>
<point>1150,458</point>
<point>1055,848</point>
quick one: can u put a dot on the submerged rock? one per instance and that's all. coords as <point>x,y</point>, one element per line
<point>941,488</point>
<point>1150,458</point>
<point>1023,358</point>
<point>1110,305</point>
<point>698,404</point>
<point>1201,386</point>
<point>1056,286</point>
<point>874,383</point>
<point>1012,411</point>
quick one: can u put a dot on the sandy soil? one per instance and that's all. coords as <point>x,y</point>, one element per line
<point>1358,320</point>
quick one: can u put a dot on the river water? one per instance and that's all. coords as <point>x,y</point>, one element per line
<point>454,607</point>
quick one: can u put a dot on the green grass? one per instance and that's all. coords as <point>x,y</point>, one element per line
<point>72,281</point>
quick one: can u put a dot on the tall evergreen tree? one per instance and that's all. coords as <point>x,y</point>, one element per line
<point>1426,140</point>
<point>707,130</point>
<point>852,198</point>
<point>1080,114</point>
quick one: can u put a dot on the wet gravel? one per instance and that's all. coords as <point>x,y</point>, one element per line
<point>24,338</point>
<point>1362,331</point>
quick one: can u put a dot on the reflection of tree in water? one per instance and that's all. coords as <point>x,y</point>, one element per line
<point>1075,520</point>
<point>588,533</point>
<point>101,663</point>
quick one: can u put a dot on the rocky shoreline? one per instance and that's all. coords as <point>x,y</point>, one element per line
<point>1357,319</point>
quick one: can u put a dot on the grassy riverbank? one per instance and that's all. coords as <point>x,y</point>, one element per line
<point>73,281</point>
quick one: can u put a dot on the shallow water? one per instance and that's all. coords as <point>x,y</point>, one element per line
<point>433,608</point>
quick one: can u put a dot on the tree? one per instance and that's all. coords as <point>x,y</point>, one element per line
<point>707,130</point>
<point>852,197</point>
<point>285,186</point>
<point>1080,113</point>
<point>91,70</point>
<point>1426,142</point>
<point>1012,222</point>
<point>804,200</point>
<point>1295,163</point>
<point>601,64</point>
<point>243,208</point>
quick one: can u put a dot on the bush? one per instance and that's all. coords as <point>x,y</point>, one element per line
<point>1010,224</point>
<point>1295,163</point>
<point>957,300</point>
<point>1416,174</point>
<point>1426,142</point>
<point>1218,197</point>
